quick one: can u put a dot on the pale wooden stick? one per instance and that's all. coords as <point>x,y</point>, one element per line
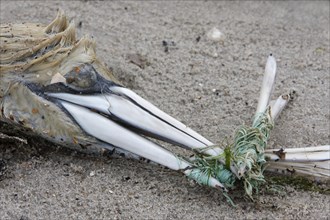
<point>312,161</point>
<point>278,105</point>
<point>267,84</point>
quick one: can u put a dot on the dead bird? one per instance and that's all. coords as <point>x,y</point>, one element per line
<point>54,86</point>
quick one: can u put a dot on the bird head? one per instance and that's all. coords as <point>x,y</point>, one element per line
<point>55,86</point>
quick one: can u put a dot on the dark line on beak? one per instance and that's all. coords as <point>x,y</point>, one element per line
<point>162,138</point>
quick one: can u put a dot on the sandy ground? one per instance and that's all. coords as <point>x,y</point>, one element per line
<point>210,86</point>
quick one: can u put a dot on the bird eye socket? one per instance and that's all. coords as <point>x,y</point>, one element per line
<point>83,77</point>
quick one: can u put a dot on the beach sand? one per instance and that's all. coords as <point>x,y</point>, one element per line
<point>212,87</point>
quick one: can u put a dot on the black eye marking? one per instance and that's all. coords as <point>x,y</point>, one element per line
<point>81,80</point>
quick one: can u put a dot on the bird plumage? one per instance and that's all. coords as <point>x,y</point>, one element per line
<point>36,54</point>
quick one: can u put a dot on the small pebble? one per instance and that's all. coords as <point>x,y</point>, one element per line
<point>215,35</point>
<point>92,173</point>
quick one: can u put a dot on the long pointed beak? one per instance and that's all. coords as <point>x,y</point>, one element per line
<point>119,115</point>
<point>116,135</point>
<point>126,108</point>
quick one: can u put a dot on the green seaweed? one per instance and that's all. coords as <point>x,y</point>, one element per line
<point>299,183</point>
<point>242,160</point>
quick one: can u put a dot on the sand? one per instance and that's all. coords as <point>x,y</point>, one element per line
<point>212,87</point>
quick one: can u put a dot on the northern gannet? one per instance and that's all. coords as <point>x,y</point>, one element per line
<point>54,86</point>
